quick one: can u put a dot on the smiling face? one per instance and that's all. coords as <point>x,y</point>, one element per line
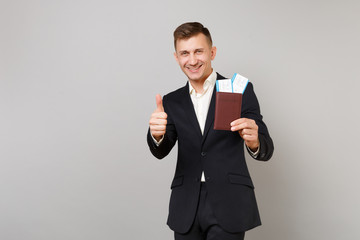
<point>194,56</point>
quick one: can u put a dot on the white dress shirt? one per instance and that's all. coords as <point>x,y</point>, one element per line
<point>201,102</point>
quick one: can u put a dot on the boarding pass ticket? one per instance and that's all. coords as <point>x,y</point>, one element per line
<point>237,84</point>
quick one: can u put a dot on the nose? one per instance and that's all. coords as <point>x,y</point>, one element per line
<point>192,59</point>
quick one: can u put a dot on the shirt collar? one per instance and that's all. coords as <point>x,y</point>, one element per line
<point>210,81</point>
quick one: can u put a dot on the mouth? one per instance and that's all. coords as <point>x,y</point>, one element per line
<point>194,69</point>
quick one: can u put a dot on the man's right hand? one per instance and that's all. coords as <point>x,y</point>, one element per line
<point>158,120</point>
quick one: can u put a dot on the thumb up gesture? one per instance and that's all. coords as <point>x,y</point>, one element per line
<point>158,120</point>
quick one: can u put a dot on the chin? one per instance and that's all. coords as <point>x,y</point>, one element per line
<point>194,77</point>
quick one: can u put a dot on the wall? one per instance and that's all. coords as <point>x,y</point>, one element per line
<point>77,86</point>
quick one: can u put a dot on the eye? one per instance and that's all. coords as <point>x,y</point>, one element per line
<point>183,54</point>
<point>199,51</point>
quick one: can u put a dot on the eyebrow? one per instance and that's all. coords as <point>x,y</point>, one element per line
<point>186,51</point>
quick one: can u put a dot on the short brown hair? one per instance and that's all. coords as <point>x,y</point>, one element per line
<point>190,29</point>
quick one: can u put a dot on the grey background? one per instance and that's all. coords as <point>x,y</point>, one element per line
<point>77,86</point>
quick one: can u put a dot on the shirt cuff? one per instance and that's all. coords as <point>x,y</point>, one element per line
<point>254,154</point>
<point>157,142</point>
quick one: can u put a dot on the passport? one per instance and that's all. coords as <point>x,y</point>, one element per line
<point>227,109</point>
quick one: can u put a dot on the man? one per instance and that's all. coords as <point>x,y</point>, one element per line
<point>212,192</point>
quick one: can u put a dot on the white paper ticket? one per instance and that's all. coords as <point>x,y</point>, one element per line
<point>239,83</point>
<point>224,85</point>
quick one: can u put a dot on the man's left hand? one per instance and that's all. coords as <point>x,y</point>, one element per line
<point>248,130</point>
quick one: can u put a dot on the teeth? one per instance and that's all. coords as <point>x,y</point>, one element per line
<point>192,69</point>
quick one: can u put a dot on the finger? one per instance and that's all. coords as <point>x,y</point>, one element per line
<point>248,124</point>
<point>154,121</point>
<point>159,115</point>
<point>239,127</point>
<point>249,131</point>
<point>155,131</point>
<point>242,120</point>
<point>237,121</point>
<point>249,137</point>
<point>159,104</point>
<point>158,128</point>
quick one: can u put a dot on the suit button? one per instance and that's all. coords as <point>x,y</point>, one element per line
<point>207,179</point>
<point>203,154</point>
<point>197,179</point>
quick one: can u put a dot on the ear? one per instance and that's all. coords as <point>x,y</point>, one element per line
<point>176,57</point>
<point>213,52</point>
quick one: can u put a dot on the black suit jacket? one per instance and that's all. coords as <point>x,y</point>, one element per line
<point>220,154</point>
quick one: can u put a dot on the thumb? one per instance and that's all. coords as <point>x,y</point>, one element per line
<point>159,104</point>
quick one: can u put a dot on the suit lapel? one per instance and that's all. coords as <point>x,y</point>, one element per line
<point>190,111</point>
<point>211,112</point>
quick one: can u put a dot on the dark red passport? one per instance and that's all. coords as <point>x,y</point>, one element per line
<point>227,109</point>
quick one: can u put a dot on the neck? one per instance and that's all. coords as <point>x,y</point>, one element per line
<point>198,84</point>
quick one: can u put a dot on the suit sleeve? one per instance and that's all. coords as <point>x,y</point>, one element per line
<point>251,109</point>
<point>170,136</point>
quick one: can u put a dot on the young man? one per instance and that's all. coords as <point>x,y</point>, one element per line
<point>212,192</point>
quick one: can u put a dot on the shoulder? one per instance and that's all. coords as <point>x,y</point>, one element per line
<point>177,94</point>
<point>249,91</point>
<point>249,87</point>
